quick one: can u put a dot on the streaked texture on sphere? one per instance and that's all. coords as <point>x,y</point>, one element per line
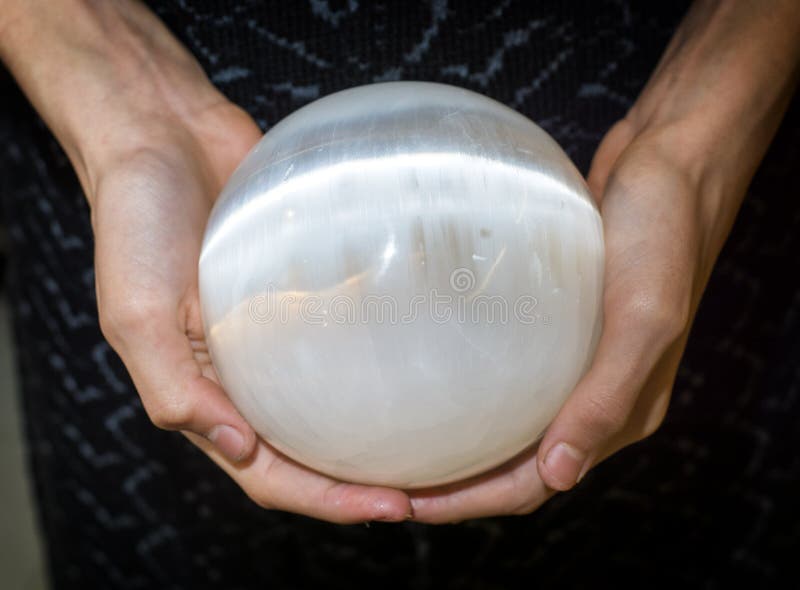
<point>337,248</point>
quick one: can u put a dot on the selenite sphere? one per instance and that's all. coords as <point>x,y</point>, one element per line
<point>401,284</point>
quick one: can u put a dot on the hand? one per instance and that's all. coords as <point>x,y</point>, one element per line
<point>668,192</point>
<point>149,211</point>
<point>657,258</point>
<point>153,142</point>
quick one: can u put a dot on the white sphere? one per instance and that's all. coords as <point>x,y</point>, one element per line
<point>401,284</point>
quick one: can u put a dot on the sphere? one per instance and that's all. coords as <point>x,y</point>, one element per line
<point>401,284</point>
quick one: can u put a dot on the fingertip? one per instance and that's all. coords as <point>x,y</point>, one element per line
<point>237,444</point>
<point>562,466</point>
<point>392,506</point>
<point>228,440</point>
<point>218,420</point>
<point>249,446</point>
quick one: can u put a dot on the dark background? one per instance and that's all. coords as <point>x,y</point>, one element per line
<point>709,501</point>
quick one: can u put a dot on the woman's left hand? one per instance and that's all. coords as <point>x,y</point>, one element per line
<point>659,249</point>
<point>669,179</point>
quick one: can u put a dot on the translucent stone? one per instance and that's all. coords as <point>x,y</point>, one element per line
<point>402,283</point>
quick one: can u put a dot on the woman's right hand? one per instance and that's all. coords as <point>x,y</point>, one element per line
<point>153,142</point>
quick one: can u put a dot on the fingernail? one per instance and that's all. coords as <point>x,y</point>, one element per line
<point>566,465</point>
<point>228,440</point>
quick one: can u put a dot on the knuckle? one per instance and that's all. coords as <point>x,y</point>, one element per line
<point>525,507</point>
<point>258,495</point>
<point>108,323</point>
<point>117,321</point>
<point>521,498</point>
<point>175,414</point>
<point>263,494</point>
<point>664,317</point>
<point>605,414</point>
<point>649,429</point>
<point>260,499</point>
<point>655,418</point>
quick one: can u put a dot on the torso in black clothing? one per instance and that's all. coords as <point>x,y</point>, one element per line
<point>707,501</point>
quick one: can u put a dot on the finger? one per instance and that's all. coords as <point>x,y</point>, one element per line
<point>232,131</point>
<point>513,488</point>
<point>609,150</point>
<point>632,343</point>
<point>651,405</point>
<point>274,481</point>
<point>649,279</point>
<point>175,393</point>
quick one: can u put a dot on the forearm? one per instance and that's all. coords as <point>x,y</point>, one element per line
<point>723,85</point>
<point>96,70</point>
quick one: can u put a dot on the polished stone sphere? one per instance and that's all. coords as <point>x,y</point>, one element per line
<point>401,284</point>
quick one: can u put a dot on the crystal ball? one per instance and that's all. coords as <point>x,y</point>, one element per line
<point>401,284</point>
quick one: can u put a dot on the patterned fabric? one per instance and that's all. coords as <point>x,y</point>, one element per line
<point>709,500</point>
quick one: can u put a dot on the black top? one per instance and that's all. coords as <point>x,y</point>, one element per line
<point>708,501</point>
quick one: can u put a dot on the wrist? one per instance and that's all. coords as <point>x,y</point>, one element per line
<point>720,90</point>
<point>107,77</point>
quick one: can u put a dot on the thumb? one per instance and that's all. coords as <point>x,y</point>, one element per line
<point>636,335</point>
<point>175,393</point>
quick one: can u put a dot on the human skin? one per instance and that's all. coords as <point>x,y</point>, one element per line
<point>152,143</point>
